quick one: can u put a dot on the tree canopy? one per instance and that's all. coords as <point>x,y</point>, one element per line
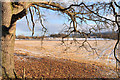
<point>79,13</point>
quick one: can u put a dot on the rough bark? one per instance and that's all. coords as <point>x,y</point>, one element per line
<point>118,64</point>
<point>118,55</point>
<point>8,39</point>
<point>0,38</point>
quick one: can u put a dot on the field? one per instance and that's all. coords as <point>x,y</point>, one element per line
<point>55,59</point>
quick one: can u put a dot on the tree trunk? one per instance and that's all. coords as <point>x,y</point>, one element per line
<point>0,39</point>
<point>8,40</point>
<point>118,55</point>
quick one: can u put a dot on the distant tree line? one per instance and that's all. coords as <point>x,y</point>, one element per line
<point>108,35</point>
<point>58,35</point>
<point>29,37</point>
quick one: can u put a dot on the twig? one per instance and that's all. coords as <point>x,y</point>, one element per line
<point>32,21</point>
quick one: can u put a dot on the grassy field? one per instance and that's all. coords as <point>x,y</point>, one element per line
<point>53,59</point>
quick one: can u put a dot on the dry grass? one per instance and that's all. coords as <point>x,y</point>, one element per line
<point>53,51</point>
<point>62,68</point>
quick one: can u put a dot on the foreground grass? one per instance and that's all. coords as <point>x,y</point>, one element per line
<point>46,67</point>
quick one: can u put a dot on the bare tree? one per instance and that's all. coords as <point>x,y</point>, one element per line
<point>78,12</point>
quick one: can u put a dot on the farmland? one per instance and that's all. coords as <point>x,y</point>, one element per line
<point>56,59</point>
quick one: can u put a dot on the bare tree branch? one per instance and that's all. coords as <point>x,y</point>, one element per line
<point>32,21</point>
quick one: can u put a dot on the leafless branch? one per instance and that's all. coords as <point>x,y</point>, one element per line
<point>32,21</point>
<point>28,23</point>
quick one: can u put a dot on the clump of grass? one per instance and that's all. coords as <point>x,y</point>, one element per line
<point>22,54</point>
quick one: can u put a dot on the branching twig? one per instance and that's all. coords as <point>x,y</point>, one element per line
<point>28,23</point>
<point>32,21</point>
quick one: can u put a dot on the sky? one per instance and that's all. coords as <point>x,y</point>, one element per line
<point>53,22</point>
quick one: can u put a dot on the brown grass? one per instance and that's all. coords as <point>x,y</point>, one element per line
<point>51,61</point>
<point>62,68</point>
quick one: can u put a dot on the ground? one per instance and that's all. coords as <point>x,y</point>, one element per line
<point>53,60</point>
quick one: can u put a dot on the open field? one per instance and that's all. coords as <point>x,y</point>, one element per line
<point>54,59</point>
